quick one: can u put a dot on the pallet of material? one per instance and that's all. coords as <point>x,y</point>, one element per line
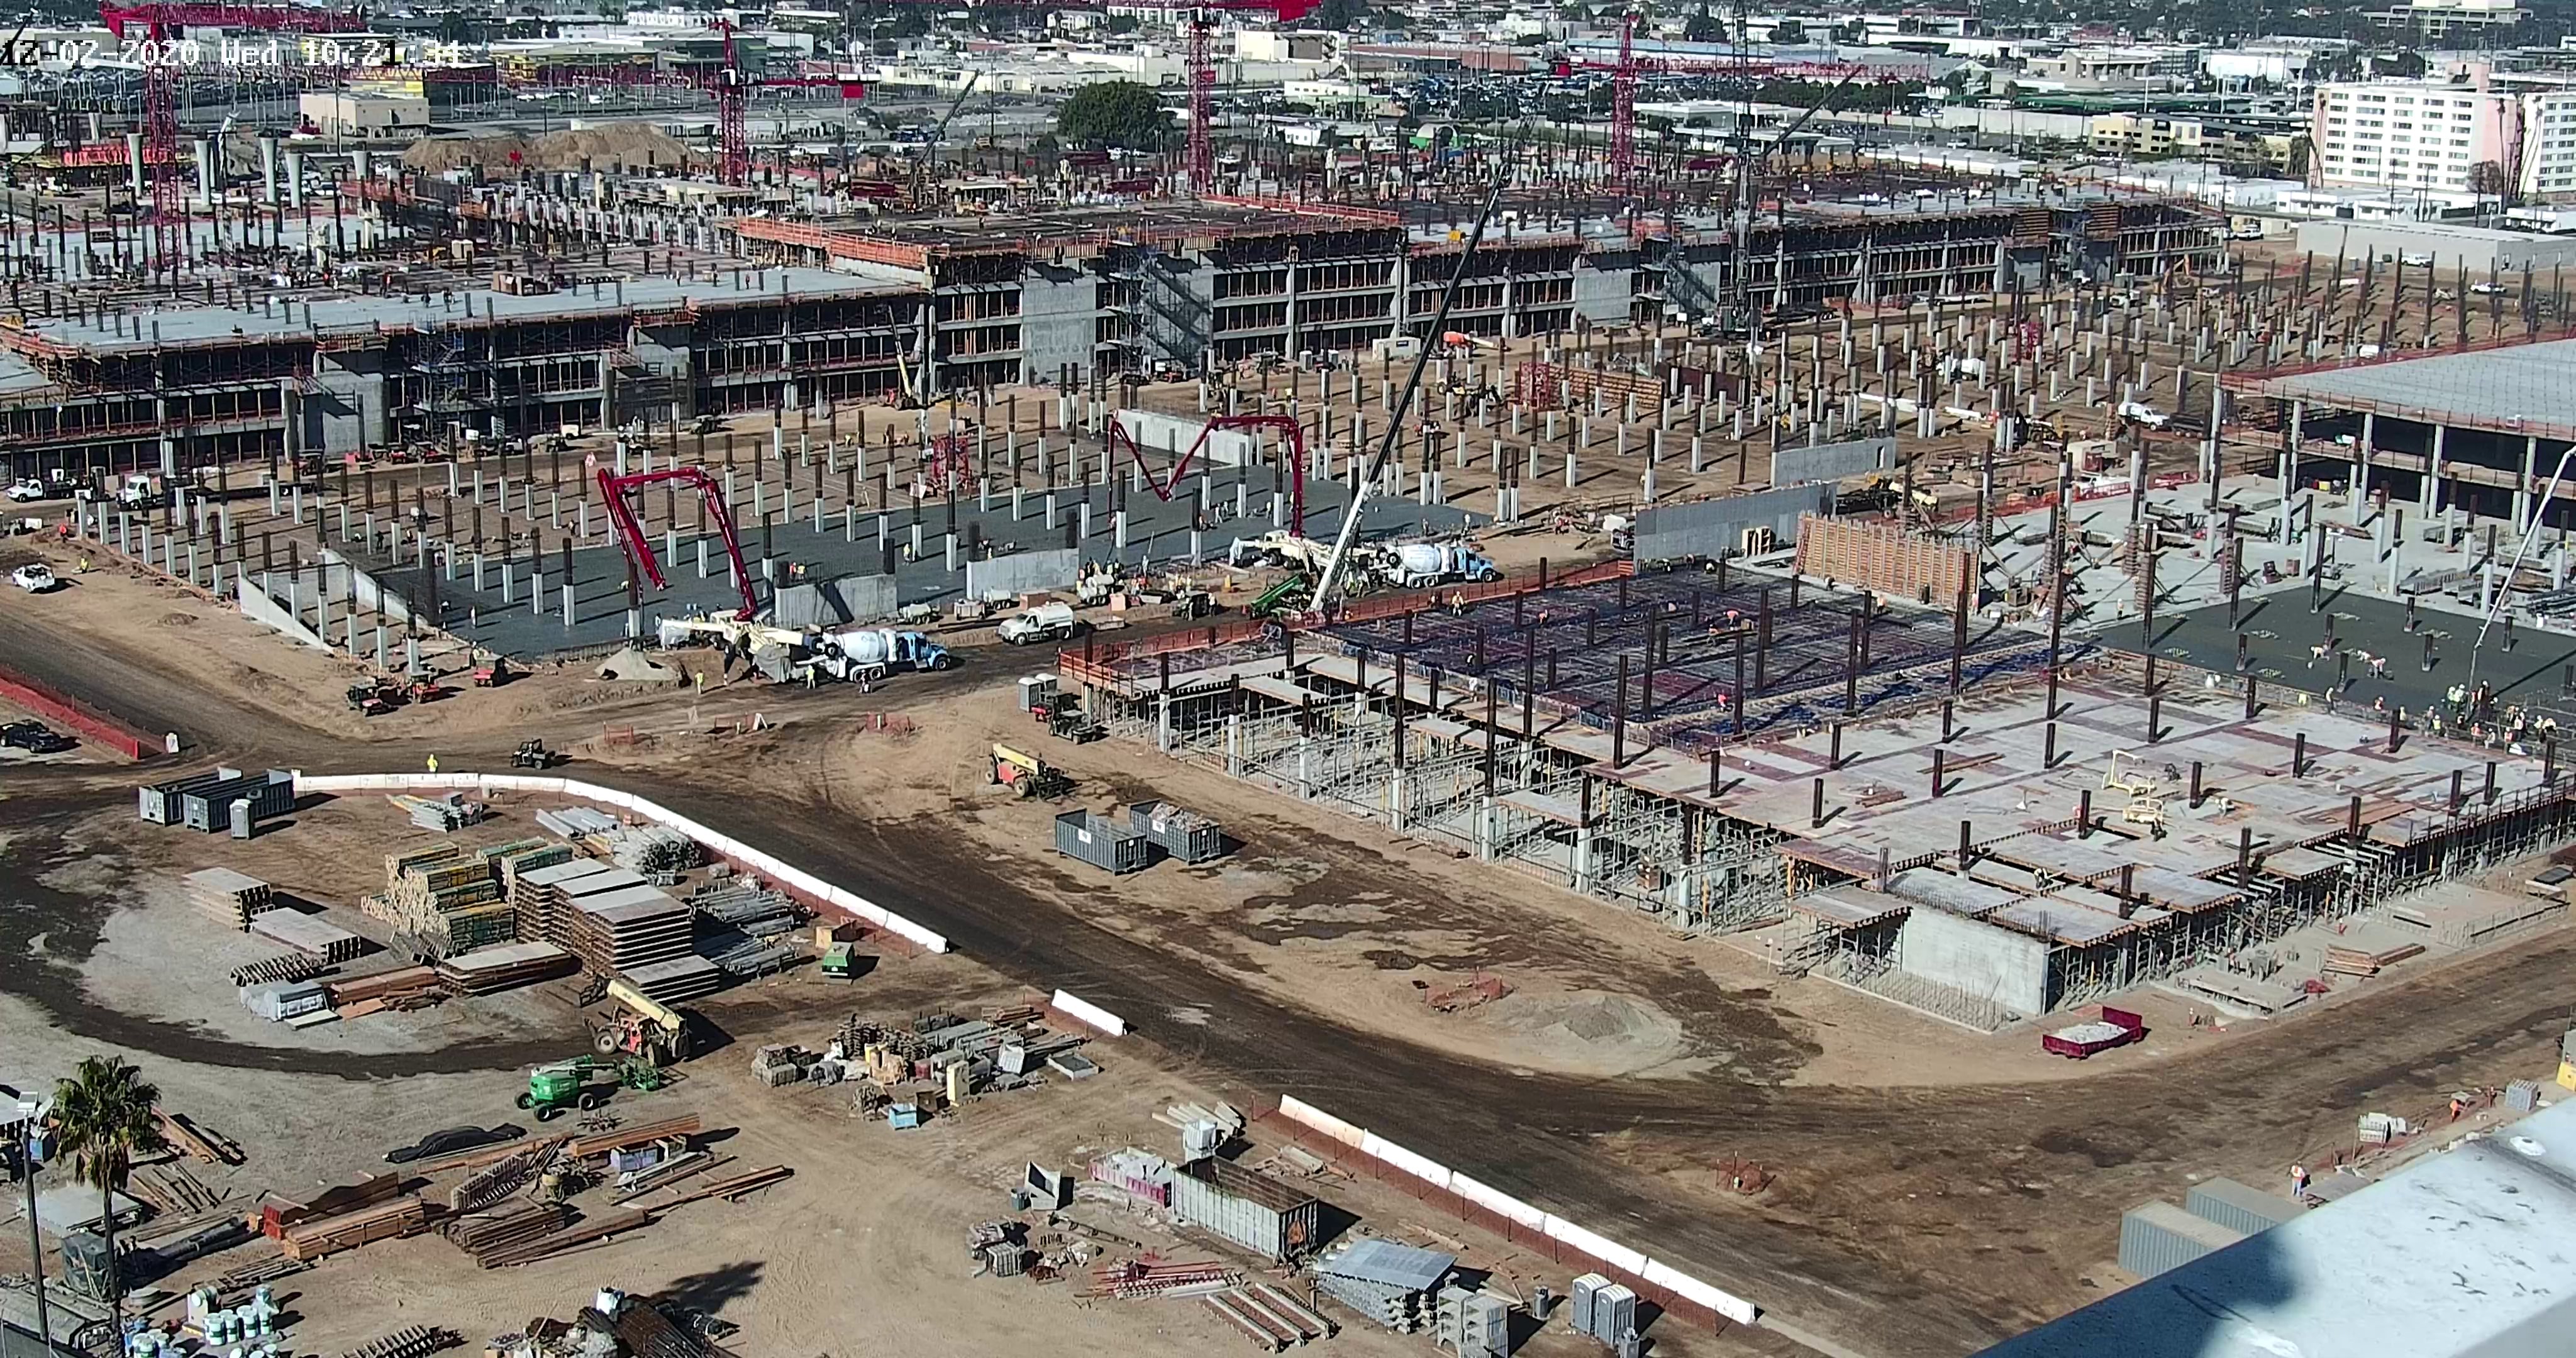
<point>230,898</point>
<point>478,926</point>
<point>384,985</point>
<point>324,1236</point>
<point>492,1183</point>
<point>396,864</point>
<point>311,935</point>
<point>489,1233</point>
<point>504,966</point>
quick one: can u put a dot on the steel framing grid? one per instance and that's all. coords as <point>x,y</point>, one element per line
<point>1681,632</point>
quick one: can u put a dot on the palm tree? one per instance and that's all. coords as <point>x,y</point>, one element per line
<point>103,1120</point>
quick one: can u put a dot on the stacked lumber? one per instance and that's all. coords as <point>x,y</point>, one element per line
<point>599,1227</point>
<point>230,898</point>
<point>505,966</point>
<point>480,1156</point>
<point>325,1236</point>
<point>514,860</point>
<point>451,898</point>
<point>488,1236</point>
<point>276,1217</point>
<point>734,1186</point>
<point>442,814</point>
<point>206,1147</point>
<point>677,981</point>
<point>627,1138</point>
<point>2344,961</point>
<point>400,988</point>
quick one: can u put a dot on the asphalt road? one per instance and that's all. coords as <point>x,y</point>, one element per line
<point>1927,1221</point>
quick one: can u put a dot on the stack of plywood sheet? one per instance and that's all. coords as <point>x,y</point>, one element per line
<point>230,897</point>
<point>540,895</point>
<point>323,1236</point>
<point>618,931</point>
<point>505,966</point>
<point>311,935</point>
<point>677,980</point>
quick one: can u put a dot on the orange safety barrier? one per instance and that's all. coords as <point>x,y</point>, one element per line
<point>44,702</point>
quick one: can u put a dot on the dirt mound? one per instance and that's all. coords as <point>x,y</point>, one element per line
<point>614,146</point>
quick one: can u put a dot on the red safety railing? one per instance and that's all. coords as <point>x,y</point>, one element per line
<point>71,712</point>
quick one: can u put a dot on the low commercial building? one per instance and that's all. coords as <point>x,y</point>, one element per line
<point>366,117</point>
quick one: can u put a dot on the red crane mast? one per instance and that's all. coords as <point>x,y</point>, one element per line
<point>160,23</point>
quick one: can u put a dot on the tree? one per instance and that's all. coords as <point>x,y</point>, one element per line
<point>1789,31</point>
<point>1341,16</point>
<point>103,1120</point>
<point>1704,27</point>
<point>1122,24</point>
<point>1113,113</point>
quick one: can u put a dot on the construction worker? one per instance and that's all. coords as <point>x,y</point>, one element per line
<point>433,763</point>
<point>2299,1182</point>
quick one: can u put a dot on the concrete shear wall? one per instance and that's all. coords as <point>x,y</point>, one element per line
<point>1716,527</point>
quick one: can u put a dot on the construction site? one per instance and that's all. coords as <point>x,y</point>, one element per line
<point>653,748</point>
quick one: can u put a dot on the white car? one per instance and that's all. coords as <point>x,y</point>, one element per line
<point>34,577</point>
<point>27,488</point>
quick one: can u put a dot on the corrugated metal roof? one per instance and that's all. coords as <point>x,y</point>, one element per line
<point>1390,1264</point>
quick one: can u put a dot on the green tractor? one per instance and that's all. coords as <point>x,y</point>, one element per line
<point>570,1084</point>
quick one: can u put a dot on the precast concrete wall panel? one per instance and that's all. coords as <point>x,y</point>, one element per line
<point>1832,461</point>
<point>1978,959</point>
<point>1717,527</point>
<point>1023,572</point>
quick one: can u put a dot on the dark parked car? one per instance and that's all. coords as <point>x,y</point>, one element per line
<point>34,736</point>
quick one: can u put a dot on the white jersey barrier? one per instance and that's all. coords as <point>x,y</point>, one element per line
<point>1077,1007</point>
<point>724,846</point>
<point>1609,1252</point>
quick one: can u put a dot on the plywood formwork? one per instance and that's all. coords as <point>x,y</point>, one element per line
<point>1883,560</point>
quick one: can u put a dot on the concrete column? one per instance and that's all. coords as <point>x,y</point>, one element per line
<point>2433,472</point>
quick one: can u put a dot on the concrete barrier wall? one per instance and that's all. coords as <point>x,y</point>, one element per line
<point>726,846</point>
<point>371,593</point>
<point>1592,1245</point>
<point>845,601</point>
<point>1084,1010</point>
<point>1166,437</point>
<point>2007,968</point>
<point>257,606</point>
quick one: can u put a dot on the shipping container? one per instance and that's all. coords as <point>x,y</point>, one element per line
<point>1185,835</point>
<point>2240,1207</point>
<point>1102,842</point>
<point>1253,1210</point>
<point>159,803</point>
<point>2158,1236</point>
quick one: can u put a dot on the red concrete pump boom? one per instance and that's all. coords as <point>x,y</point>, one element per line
<point>1163,486</point>
<point>639,548</point>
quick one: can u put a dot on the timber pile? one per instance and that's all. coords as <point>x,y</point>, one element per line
<point>614,1222</point>
<point>400,988</point>
<point>487,1236</point>
<point>628,1138</point>
<point>230,898</point>
<point>276,1217</point>
<point>325,1236</point>
<point>204,1146</point>
<point>505,966</point>
<point>2344,961</point>
<point>450,897</point>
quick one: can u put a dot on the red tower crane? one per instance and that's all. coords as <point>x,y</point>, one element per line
<point>161,88</point>
<point>1629,66</point>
